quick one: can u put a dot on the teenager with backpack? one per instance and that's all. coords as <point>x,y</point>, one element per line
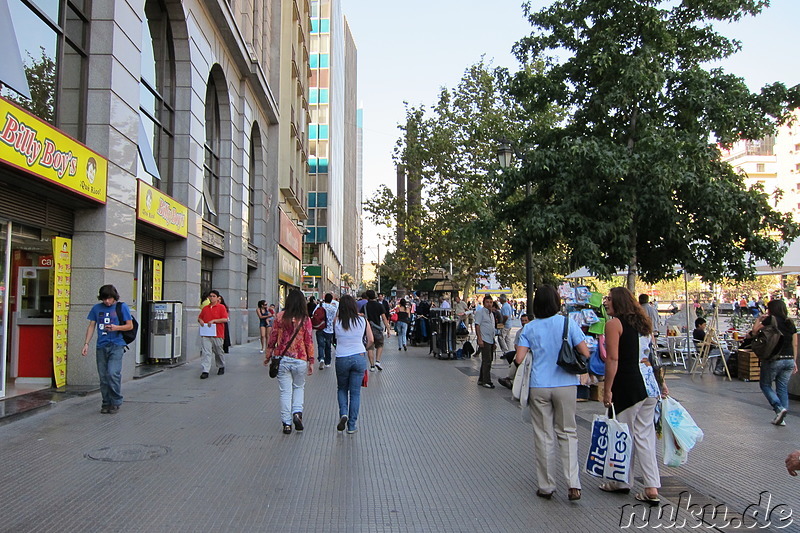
<point>110,320</point>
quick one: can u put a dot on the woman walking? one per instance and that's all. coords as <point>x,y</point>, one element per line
<point>784,362</point>
<point>403,319</point>
<point>553,392</point>
<point>291,338</point>
<point>351,361</point>
<point>634,398</point>
<point>261,312</point>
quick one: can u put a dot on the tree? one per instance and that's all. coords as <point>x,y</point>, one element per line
<point>451,150</point>
<point>633,178</point>
<point>41,74</point>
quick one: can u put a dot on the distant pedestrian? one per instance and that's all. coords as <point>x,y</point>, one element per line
<point>508,381</point>
<point>351,362</point>
<point>325,335</point>
<point>504,324</point>
<point>652,313</point>
<point>312,304</point>
<point>485,333</point>
<point>403,320</point>
<point>262,314</point>
<point>780,369</point>
<point>110,347</point>
<point>291,339</point>
<point>377,317</point>
<point>214,314</point>
<point>633,396</point>
<point>553,392</point>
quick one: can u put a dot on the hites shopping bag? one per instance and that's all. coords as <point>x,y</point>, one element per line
<point>598,447</point>
<point>610,449</point>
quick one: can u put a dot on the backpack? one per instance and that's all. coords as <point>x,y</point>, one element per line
<point>130,335</point>
<point>319,318</point>
<point>468,350</point>
<point>766,343</point>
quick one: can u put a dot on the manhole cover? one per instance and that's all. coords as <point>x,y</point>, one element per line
<point>127,453</point>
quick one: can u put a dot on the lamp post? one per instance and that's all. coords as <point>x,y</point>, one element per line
<point>505,156</point>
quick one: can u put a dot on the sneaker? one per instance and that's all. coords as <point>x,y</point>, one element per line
<point>204,375</point>
<point>351,431</point>
<point>298,421</point>
<point>104,409</point>
<point>488,385</point>
<point>378,365</point>
<point>221,371</point>
<point>783,423</point>
<point>779,417</point>
<point>327,366</point>
<point>342,423</point>
<point>261,351</point>
<point>505,382</point>
<point>372,368</point>
<point>405,347</point>
<point>113,409</point>
<point>287,429</point>
<point>321,365</point>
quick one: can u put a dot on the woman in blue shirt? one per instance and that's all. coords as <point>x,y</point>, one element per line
<point>553,393</point>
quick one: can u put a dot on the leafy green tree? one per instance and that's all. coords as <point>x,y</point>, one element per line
<point>41,74</point>
<point>632,178</point>
<point>451,150</point>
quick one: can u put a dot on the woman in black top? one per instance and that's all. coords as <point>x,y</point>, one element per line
<point>627,337</point>
<point>783,364</point>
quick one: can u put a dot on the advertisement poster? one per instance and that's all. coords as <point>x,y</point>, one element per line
<point>158,279</point>
<point>62,264</point>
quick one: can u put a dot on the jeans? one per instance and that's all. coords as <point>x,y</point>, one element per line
<point>324,341</point>
<point>109,368</point>
<point>292,383</point>
<point>778,371</point>
<point>402,334</point>
<point>349,375</point>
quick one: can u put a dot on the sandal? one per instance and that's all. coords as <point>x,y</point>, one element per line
<point>611,487</point>
<point>542,494</point>
<point>574,494</point>
<point>642,497</point>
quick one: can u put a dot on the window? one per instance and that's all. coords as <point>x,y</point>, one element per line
<point>52,38</point>
<point>211,161</point>
<point>255,159</point>
<point>157,98</point>
<point>760,167</point>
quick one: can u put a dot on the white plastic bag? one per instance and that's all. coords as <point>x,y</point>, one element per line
<point>673,454</point>
<point>683,426</point>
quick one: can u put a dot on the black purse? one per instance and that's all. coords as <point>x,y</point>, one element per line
<point>275,360</point>
<point>568,357</point>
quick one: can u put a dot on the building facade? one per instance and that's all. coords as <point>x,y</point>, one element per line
<point>162,150</point>
<point>333,152</point>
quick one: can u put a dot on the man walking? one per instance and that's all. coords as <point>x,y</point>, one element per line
<point>508,381</point>
<point>378,320</point>
<point>110,345</point>
<point>504,325</point>
<point>214,314</point>
<point>484,330</point>
<point>325,335</point>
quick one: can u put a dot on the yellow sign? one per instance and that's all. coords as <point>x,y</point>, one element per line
<point>62,264</point>
<point>32,145</point>
<point>158,279</point>
<point>162,211</point>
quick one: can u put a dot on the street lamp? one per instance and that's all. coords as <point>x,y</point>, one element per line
<point>505,157</point>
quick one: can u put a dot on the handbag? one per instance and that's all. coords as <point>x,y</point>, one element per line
<point>275,360</point>
<point>365,379</point>
<point>568,358</point>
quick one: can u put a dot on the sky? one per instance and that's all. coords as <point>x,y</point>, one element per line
<point>407,51</point>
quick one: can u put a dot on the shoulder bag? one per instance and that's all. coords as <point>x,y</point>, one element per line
<point>568,357</point>
<point>275,360</point>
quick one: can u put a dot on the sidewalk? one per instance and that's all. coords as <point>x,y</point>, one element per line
<point>434,452</point>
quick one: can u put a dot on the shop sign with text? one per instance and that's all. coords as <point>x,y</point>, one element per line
<point>32,145</point>
<point>290,237</point>
<point>288,267</point>
<point>162,211</point>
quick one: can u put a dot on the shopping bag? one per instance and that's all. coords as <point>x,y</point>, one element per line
<point>610,449</point>
<point>681,424</point>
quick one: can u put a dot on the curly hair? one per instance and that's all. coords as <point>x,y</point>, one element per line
<point>627,308</point>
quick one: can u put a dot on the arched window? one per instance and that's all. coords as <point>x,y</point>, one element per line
<point>52,38</point>
<point>211,160</point>
<point>157,98</point>
<point>254,171</point>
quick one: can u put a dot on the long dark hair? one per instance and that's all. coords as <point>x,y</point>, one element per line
<point>348,311</point>
<point>627,308</point>
<point>295,307</point>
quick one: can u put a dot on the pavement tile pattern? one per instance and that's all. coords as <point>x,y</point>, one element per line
<point>434,452</point>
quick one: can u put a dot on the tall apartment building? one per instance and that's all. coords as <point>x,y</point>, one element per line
<point>160,147</point>
<point>333,154</point>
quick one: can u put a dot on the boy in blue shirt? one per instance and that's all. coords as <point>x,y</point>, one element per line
<point>110,344</point>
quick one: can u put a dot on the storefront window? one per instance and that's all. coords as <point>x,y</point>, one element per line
<point>52,36</point>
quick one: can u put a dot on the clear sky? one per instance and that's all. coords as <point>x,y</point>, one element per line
<point>408,50</point>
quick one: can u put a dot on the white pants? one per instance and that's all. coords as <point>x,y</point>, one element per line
<point>639,418</point>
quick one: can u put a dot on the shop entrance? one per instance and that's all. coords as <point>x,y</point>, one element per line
<point>28,282</point>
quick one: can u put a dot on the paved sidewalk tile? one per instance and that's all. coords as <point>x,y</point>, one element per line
<point>434,452</point>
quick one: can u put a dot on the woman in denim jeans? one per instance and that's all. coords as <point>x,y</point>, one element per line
<point>403,318</point>
<point>784,362</point>
<point>291,338</point>
<point>351,361</point>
